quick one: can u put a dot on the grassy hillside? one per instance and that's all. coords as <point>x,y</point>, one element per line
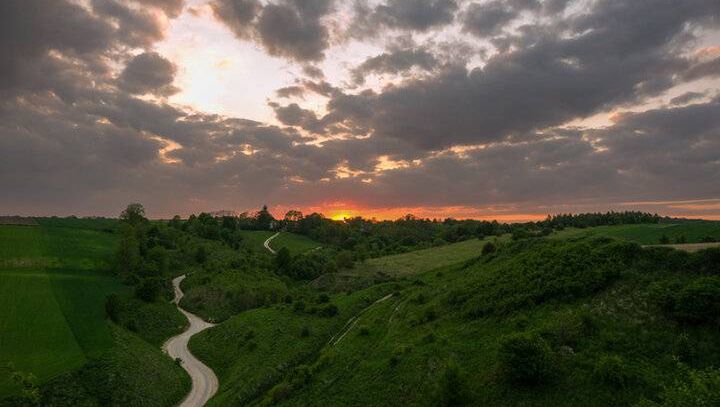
<point>131,373</point>
<point>647,234</point>
<point>253,350</point>
<point>420,261</point>
<point>541,322</point>
<point>297,244</point>
<point>54,282</point>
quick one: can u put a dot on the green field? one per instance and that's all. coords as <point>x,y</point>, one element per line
<point>420,261</point>
<point>52,294</point>
<point>297,244</point>
<point>647,234</point>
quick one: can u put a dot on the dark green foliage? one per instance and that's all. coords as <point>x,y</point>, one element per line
<point>698,302</point>
<point>664,239</point>
<point>283,260</point>
<point>453,387</point>
<point>612,370</point>
<point>551,271</point>
<point>328,311</point>
<point>525,359</point>
<point>697,389</point>
<point>148,289</point>
<point>488,248</point>
<point>305,332</point>
<point>344,259</point>
<point>133,215</point>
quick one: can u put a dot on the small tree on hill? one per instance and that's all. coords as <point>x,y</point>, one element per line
<point>134,214</point>
<point>263,219</point>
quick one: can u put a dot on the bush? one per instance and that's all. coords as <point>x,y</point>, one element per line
<point>364,331</point>
<point>299,306</point>
<point>525,359</point>
<point>699,389</point>
<point>305,332</point>
<point>328,311</point>
<point>489,248</point>
<point>611,369</point>
<point>698,302</point>
<point>148,290</point>
<point>453,388</point>
<point>323,299</point>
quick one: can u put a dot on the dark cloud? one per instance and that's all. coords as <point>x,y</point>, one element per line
<point>149,73</point>
<point>290,91</point>
<point>290,28</point>
<point>687,97</point>
<point>620,52</point>
<point>703,69</point>
<point>238,15</point>
<point>394,62</point>
<point>416,15</point>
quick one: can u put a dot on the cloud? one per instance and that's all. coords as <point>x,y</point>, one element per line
<point>289,29</point>
<point>414,15</point>
<point>394,62</point>
<point>687,97</point>
<point>149,73</point>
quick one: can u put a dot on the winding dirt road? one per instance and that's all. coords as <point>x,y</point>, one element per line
<point>267,242</point>
<point>204,381</point>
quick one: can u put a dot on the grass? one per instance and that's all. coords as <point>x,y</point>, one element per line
<point>297,244</point>
<point>420,261</point>
<point>131,373</point>
<point>589,300</point>
<point>648,234</point>
<point>253,350</point>
<point>52,294</point>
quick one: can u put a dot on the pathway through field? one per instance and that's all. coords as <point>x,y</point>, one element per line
<point>267,242</point>
<point>204,381</point>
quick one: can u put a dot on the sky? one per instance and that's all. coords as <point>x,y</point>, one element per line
<point>486,109</point>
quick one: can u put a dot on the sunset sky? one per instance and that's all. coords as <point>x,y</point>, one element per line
<point>499,109</point>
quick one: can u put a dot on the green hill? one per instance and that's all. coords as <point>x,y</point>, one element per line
<point>647,234</point>
<point>297,244</point>
<point>541,322</point>
<point>54,282</point>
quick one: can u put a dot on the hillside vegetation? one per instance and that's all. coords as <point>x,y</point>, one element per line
<point>590,321</point>
<point>57,346</point>
<point>649,234</point>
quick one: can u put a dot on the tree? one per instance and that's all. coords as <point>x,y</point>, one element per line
<point>263,219</point>
<point>127,256</point>
<point>283,259</point>
<point>134,214</point>
<point>292,217</point>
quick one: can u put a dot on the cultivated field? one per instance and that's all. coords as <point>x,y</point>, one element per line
<point>52,293</point>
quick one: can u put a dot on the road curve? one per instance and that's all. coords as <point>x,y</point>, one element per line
<point>267,242</point>
<point>204,381</point>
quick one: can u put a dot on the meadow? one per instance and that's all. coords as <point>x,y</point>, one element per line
<point>649,234</point>
<point>296,243</point>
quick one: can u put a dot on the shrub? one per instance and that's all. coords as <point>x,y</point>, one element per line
<point>453,388</point>
<point>699,389</point>
<point>328,311</point>
<point>664,239</point>
<point>699,302</point>
<point>364,331</point>
<point>305,332</point>
<point>299,306</point>
<point>525,359</point>
<point>611,369</point>
<point>489,248</point>
<point>148,290</point>
<point>323,298</point>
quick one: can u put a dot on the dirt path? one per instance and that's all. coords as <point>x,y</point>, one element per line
<point>354,320</point>
<point>267,242</point>
<point>688,247</point>
<point>204,381</point>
